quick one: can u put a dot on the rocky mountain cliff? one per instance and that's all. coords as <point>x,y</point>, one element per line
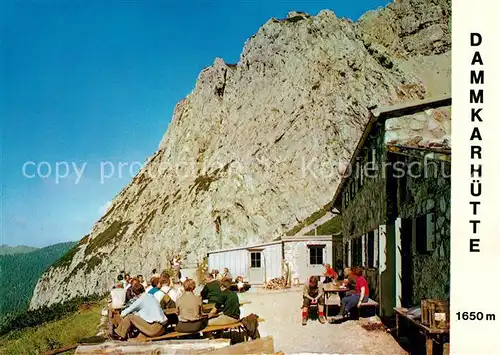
<point>257,146</point>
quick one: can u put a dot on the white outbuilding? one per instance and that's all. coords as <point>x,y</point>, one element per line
<point>306,256</point>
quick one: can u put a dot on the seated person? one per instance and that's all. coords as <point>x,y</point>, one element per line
<point>330,274</point>
<point>349,281</point>
<point>313,294</point>
<point>211,291</point>
<point>161,296</point>
<point>130,296</point>
<point>230,307</point>
<point>155,285</point>
<point>118,296</point>
<point>240,283</point>
<point>227,275</point>
<point>189,310</point>
<point>168,293</point>
<point>145,314</point>
<point>359,296</point>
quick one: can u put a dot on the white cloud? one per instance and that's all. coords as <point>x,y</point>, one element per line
<point>104,208</point>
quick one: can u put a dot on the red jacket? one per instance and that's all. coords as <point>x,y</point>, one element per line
<point>331,273</point>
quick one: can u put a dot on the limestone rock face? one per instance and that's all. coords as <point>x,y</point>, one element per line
<point>257,146</point>
<point>430,129</point>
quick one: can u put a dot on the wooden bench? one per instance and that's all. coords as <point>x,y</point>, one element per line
<point>370,304</point>
<point>208,329</point>
<point>431,335</point>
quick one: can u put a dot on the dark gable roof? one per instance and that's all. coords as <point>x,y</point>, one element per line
<point>380,115</point>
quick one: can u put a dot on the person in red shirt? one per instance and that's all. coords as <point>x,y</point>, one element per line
<point>359,296</point>
<point>330,274</point>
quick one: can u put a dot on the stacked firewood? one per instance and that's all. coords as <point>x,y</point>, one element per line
<point>275,284</point>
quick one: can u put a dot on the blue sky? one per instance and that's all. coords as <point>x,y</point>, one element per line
<point>94,81</point>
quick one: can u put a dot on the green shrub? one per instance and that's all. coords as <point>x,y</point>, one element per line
<point>309,220</point>
<point>112,234</point>
<point>67,258</point>
<point>331,227</point>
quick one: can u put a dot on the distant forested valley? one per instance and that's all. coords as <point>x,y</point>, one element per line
<point>20,269</point>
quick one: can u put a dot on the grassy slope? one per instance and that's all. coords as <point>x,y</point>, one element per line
<point>53,335</point>
<point>333,226</point>
<point>309,220</point>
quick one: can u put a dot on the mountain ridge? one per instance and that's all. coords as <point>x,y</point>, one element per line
<point>25,268</point>
<point>15,249</point>
<point>259,146</point>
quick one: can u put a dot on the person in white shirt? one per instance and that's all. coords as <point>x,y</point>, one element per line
<point>145,314</point>
<point>118,296</point>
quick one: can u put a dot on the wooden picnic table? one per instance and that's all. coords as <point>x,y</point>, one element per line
<point>328,290</point>
<point>431,334</point>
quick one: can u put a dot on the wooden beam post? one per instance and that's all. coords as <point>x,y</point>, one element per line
<point>257,346</point>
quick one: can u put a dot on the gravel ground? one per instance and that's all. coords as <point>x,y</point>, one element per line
<point>282,314</point>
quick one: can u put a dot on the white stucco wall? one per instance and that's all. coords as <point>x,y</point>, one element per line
<point>297,254</point>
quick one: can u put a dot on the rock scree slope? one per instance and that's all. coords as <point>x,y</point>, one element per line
<point>257,146</point>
